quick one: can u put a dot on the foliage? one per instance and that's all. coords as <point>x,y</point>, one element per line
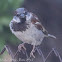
<point>6,9</point>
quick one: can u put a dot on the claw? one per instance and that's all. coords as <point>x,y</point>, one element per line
<point>32,55</point>
<point>20,47</point>
<point>33,50</point>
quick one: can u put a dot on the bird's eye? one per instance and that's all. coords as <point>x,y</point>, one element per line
<point>25,13</point>
<point>18,15</point>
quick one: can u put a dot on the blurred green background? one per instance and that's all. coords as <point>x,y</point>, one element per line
<point>7,8</point>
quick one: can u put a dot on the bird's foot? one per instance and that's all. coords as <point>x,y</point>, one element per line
<point>32,52</point>
<point>21,46</point>
<point>32,55</point>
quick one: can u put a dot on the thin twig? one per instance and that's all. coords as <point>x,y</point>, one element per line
<point>6,47</point>
<point>9,51</point>
<point>40,53</point>
<point>53,50</point>
<point>48,54</point>
<point>2,51</point>
<point>16,53</point>
<point>57,54</point>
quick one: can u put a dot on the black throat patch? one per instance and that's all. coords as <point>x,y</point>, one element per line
<point>19,26</point>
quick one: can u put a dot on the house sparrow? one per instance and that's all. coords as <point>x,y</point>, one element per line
<point>26,27</point>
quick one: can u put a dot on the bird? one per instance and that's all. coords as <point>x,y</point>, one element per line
<point>27,27</point>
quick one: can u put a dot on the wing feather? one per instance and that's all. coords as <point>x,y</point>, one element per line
<point>38,24</point>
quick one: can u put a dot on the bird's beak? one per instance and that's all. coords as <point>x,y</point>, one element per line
<point>22,16</point>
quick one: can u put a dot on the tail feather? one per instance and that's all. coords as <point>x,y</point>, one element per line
<point>49,35</point>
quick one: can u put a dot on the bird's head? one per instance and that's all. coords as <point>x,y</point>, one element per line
<point>19,21</point>
<point>20,15</point>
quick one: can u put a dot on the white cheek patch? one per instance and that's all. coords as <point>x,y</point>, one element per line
<point>16,19</point>
<point>28,17</point>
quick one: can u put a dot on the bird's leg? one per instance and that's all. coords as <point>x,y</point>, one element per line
<point>20,49</point>
<point>21,46</point>
<point>33,50</point>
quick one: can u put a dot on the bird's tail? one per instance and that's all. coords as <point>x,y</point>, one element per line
<point>49,35</point>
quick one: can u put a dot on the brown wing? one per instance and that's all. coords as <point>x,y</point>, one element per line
<point>38,24</point>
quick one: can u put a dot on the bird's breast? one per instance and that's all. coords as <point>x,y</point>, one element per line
<point>31,35</point>
<point>18,26</point>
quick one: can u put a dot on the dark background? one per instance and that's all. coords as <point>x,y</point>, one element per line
<point>50,14</point>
